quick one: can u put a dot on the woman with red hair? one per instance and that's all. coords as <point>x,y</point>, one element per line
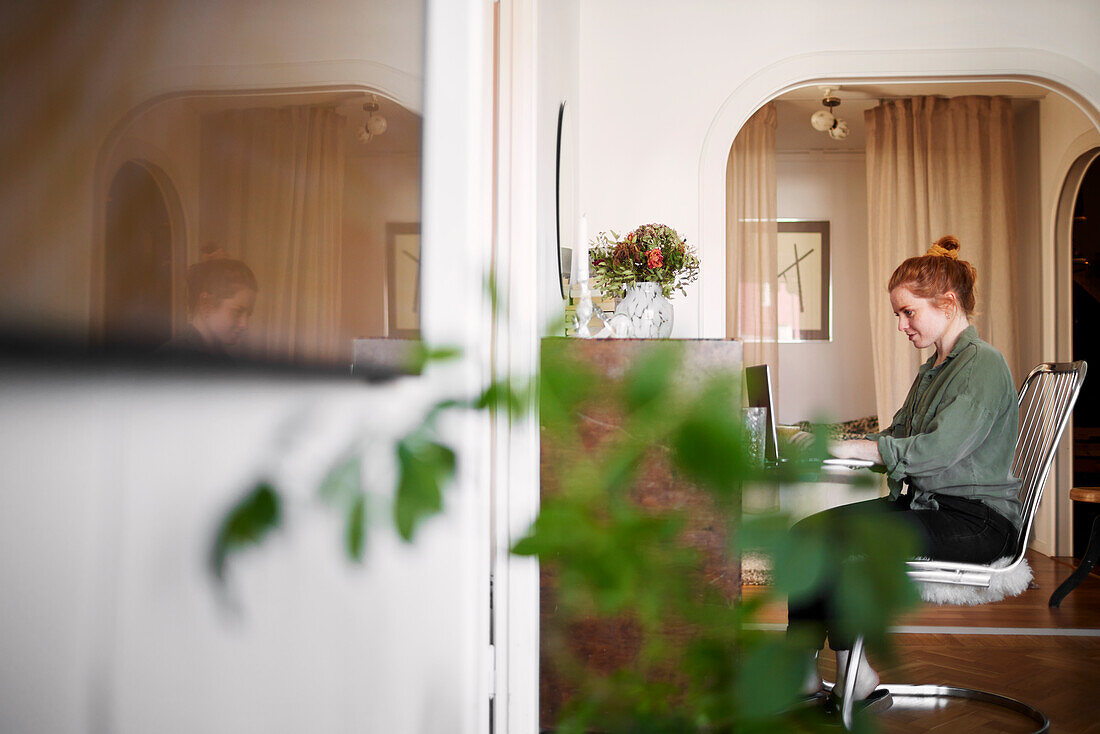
<point>947,452</point>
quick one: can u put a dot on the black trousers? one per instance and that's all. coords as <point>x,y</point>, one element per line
<point>962,530</point>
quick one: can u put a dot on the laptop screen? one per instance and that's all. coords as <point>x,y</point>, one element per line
<point>758,390</point>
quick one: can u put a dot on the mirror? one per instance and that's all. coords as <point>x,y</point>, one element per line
<point>566,197</point>
<point>296,195</point>
<point>277,163</point>
<point>245,228</point>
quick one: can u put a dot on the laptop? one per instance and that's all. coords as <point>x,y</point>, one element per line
<point>758,387</point>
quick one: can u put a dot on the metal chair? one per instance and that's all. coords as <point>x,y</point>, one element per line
<point>1046,400</point>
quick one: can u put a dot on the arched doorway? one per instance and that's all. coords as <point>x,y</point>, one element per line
<point>137,286</point>
<point>1044,302</point>
<point>1085,269</point>
<point>1074,267</point>
<point>1085,247</point>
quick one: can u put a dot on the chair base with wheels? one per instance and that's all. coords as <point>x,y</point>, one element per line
<point>1046,401</point>
<point>901,691</point>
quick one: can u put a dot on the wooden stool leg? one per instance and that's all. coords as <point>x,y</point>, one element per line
<point>1092,555</point>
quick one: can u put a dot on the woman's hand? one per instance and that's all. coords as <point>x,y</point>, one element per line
<point>856,449</point>
<point>802,441</point>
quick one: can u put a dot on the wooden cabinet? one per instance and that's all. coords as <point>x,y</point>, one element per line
<point>608,643</point>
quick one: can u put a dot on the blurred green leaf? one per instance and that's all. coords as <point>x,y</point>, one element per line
<point>872,587</point>
<point>343,490</point>
<point>764,532</point>
<point>619,468</point>
<point>564,383</point>
<point>355,536</point>
<point>613,555</point>
<point>770,673</point>
<point>617,555</point>
<point>650,380</point>
<point>252,518</point>
<point>707,446</point>
<point>819,447</point>
<point>513,399</point>
<point>557,324</point>
<point>420,355</point>
<point>497,301</point>
<point>341,485</point>
<point>800,562</point>
<point>424,467</point>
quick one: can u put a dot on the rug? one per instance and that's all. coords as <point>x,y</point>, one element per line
<point>756,569</point>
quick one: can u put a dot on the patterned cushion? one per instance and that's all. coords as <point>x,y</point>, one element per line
<point>857,428</point>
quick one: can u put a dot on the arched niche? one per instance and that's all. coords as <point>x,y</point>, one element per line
<point>139,257</point>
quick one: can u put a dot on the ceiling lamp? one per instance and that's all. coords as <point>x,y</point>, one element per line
<point>376,123</point>
<point>826,121</point>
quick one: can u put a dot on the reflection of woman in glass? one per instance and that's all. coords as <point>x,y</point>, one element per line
<point>221,293</point>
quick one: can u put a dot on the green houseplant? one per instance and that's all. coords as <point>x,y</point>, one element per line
<point>689,656</point>
<point>699,663</point>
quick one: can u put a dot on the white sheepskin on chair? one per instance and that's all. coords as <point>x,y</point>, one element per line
<point>1002,585</point>
<point>756,570</point>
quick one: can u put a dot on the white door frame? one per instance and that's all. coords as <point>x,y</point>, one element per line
<point>456,245</point>
<point>516,335</point>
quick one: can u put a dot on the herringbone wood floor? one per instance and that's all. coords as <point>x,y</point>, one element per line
<point>1060,675</point>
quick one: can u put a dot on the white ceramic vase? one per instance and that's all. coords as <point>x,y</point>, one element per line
<point>644,313</point>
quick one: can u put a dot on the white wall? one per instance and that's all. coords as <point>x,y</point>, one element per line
<point>840,385</point>
<point>106,532</point>
<point>109,607</point>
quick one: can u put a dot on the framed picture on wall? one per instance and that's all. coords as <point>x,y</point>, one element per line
<point>805,283</point>
<point>403,279</point>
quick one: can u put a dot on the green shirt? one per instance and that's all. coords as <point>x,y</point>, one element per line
<point>956,432</point>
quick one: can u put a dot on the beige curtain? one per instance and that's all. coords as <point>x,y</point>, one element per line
<point>934,167</point>
<point>272,185</point>
<point>751,235</point>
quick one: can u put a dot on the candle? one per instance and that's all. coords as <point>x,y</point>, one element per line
<point>582,250</point>
<point>584,307</point>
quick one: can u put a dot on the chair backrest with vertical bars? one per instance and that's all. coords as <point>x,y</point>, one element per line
<point>1046,401</point>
